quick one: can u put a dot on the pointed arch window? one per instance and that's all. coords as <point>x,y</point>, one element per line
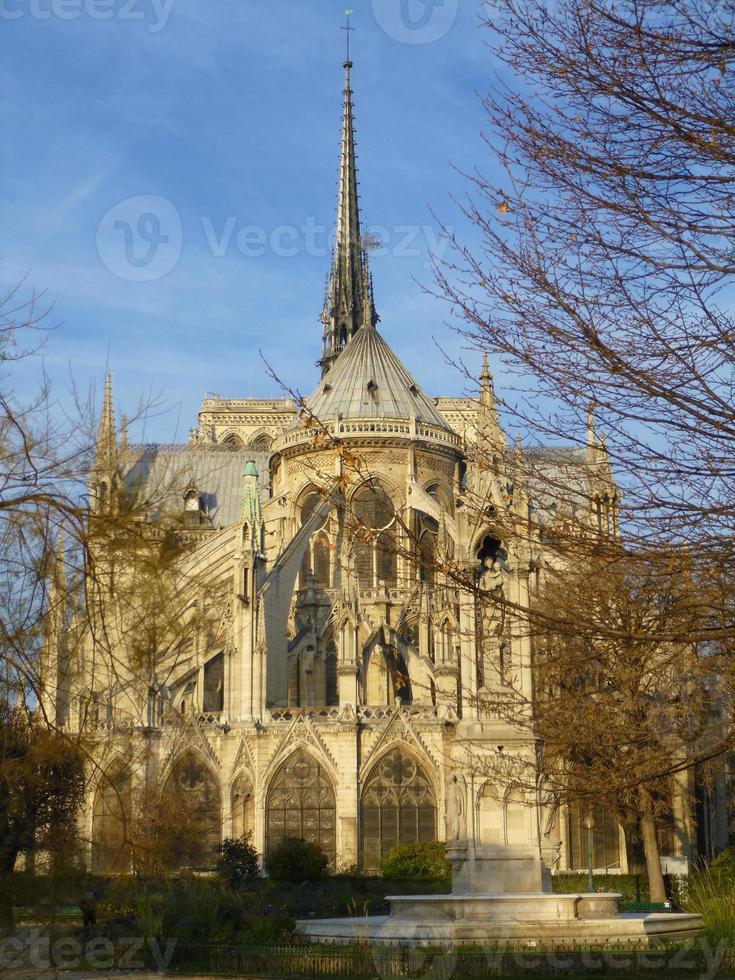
<point>427,550</point>
<point>243,806</point>
<point>191,795</point>
<point>111,852</point>
<point>605,838</point>
<point>398,807</point>
<point>331,678</point>
<point>262,443</point>
<point>301,803</point>
<point>376,541</point>
<point>321,560</point>
<point>317,556</point>
<point>233,442</point>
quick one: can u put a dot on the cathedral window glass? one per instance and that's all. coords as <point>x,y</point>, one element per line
<point>214,684</point>
<point>321,560</point>
<point>605,838</point>
<point>192,797</point>
<point>330,670</point>
<point>375,539</point>
<point>317,556</point>
<point>232,442</point>
<point>110,823</point>
<point>261,444</point>
<point>301,803</point>
<point>398,807</point>
<point>427,549</point>
<point>243,806</point>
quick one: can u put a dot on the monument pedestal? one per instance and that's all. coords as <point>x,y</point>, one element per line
<point>494,869</point>
<point>503,895</point>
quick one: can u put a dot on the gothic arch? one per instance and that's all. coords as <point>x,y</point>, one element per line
<point>385,483</point>
<point>373,522</point>
<point>261,442</point>
<point>111,819</point>
<point>242,804</point>
<point>192,797</point>
<point>398,804</point>
<point>486,535</point>
<point>232,440</point>
<point>436,489</point>
<point>301,802</point>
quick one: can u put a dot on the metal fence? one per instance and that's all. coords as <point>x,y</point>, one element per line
<point>383,961</point>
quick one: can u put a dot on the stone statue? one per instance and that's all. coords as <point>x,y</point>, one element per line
<point>491,575</point>
<point>456,823</point>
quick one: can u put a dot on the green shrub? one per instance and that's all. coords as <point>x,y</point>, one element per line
<point>295,859</point>
<point>424,861</point>
<point>712,895</point>
<point>724,864</point>
<point>200,912</point>
<point>269,930</point>
<point>238,861</point>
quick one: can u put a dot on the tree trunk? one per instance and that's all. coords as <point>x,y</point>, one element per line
<point>7,897</point>
<point>656,888</point>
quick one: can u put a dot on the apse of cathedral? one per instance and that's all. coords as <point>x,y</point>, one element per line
<point>358,563</point>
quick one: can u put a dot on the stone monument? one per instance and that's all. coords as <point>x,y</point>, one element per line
<point>502,894</point>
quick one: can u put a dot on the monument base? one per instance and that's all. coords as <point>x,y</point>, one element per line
<point>501,897</point>
<point>513,921</point>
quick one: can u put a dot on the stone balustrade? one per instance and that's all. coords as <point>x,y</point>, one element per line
<point>360,428</point>
<point>365,714</point>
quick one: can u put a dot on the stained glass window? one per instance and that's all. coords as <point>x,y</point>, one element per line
<point>243,819</point>
<point>398,807</point>
<point>301,803</point>
<point>110,823</point>
<point>192,793</point>
<point>605,838</point>
<point>376,554</point>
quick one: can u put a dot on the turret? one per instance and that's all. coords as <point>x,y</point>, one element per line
<point>103,474</point>
<point>490,438</point>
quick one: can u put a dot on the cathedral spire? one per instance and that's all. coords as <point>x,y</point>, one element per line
<point>106,449</point>
<point>489,435</point>
<point>103,474</point>
<point>349,300</point>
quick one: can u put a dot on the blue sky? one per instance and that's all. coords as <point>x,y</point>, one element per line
<point>205,133</point>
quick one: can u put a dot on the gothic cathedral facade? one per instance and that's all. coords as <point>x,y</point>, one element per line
<point>335,679</point>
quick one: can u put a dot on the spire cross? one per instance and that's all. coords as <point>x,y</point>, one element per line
<point>348,30</point>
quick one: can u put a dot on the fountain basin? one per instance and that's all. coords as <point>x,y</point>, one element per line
<point>545,921</point>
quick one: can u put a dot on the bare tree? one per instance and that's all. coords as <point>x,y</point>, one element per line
<point>604,260</point>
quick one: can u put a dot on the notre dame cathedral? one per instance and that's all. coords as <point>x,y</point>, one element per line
<point>331,685</point>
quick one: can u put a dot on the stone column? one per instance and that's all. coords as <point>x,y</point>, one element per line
<point>468,648</point>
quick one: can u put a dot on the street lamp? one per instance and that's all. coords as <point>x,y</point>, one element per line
<point>589,826</point>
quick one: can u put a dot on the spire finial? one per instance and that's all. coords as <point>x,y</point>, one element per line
<point>348,30</point>
<point>591,425</point>
<point>106,442</point>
